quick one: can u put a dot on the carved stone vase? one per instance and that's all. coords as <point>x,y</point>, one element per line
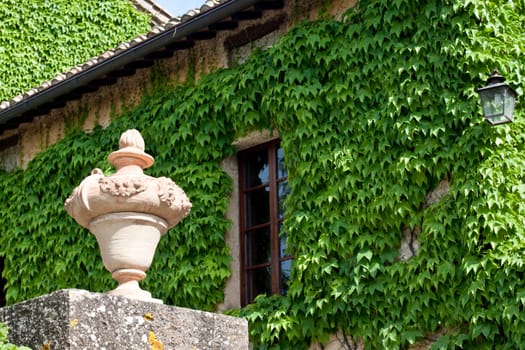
<point>128,212</point>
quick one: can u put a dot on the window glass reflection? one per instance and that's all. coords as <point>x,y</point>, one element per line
<point>282,243</point>
<point>283,192</point>
<point>281,170</point>
<point>257,207</point>
<point>258,246</point>
<point>257,169</point>
<point>286,267</point>
<point>259,282</point>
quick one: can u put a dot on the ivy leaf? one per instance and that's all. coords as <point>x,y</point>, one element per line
<point>364,254</point>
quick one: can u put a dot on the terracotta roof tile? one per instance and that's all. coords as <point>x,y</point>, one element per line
<point>158,14</point>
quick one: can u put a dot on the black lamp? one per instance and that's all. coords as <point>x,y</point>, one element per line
<point>497,99</point>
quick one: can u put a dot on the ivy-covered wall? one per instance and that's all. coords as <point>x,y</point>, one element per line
<point>39,39</point>
<point>373,112</point>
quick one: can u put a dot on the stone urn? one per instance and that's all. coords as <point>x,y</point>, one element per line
<point>128,212</point>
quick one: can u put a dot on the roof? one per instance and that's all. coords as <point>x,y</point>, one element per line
<point>161,42</point>
<point>159,15</point>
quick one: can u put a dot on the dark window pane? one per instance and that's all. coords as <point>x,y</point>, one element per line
<point>258,246</point>
<point>283,192</point>
<point>281,170</point>
<point>256,172</point>
<point>258,207</point>
<point>282,243</point>
<point>286,267</point>
<point>259,282</point>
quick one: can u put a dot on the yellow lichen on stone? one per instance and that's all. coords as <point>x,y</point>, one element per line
<point>73,323</point>
<point>155,344</point>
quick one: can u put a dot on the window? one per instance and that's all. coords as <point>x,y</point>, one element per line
<point>263,186</point>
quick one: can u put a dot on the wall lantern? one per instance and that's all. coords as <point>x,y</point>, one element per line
<point>497,99</point>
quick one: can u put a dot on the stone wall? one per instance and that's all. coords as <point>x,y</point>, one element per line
<point>74,319</point>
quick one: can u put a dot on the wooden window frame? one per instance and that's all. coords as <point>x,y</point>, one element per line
<point>274,219</point>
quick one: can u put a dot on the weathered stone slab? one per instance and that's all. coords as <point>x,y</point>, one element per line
<point>77,319</point>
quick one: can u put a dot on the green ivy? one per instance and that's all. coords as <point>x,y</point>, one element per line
<point>39,39</point>
<point>4,344</point>
<point>373,111</point>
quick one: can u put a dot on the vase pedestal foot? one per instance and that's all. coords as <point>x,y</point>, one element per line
<point>128,285</point>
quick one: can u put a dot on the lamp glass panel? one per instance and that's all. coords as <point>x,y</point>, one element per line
<point>510,99</point>
<point>492,102</point>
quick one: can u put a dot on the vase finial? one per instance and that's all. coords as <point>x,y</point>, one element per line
<point>132,138</point>
<point>131,151</point>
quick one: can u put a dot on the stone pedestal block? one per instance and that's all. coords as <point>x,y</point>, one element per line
<point>77,319</point>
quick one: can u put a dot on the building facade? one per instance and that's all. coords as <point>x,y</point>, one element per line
<point>323,145</point>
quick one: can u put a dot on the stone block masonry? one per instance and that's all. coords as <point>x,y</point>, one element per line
<point>76,319</point>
